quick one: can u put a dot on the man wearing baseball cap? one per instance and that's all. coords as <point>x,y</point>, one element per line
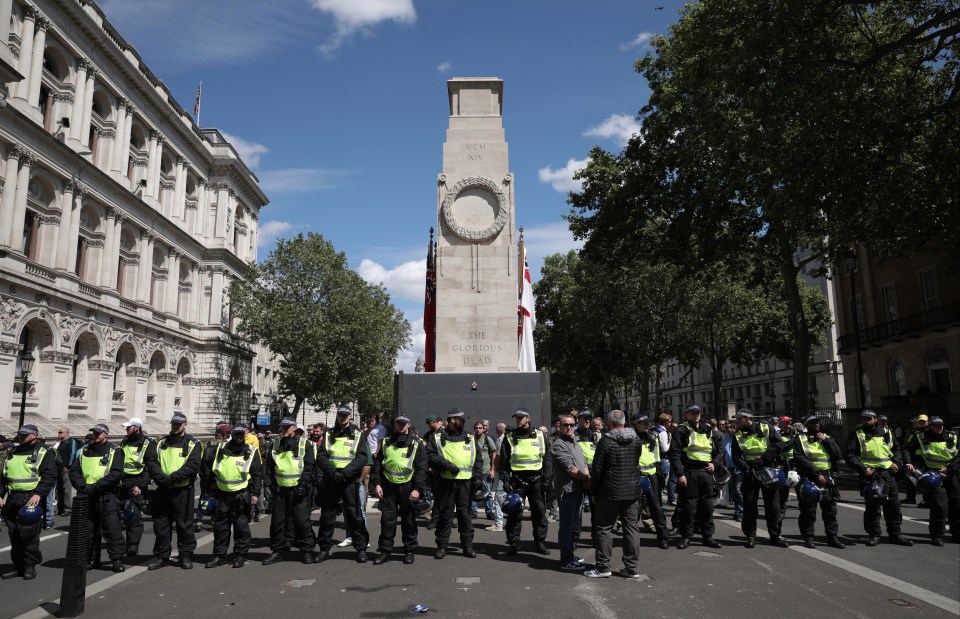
<point>97,475</point>
<point>341,459</point>
<point>695,451</point>
<point>936,448</point>
<point>173,463</point>
<point>525,467</point>
<point>755,447</point>
<point>398,478</point>
<point>453,454</point>
<point>870,453</point>
<point>290,470</point>
<point>237,470</point>
<point>28,475</point>
<point>135,481</point>
<point>816,454</point>
<point>434,425</point>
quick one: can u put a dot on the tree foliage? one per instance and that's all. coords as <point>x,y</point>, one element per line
<point>338,335</point>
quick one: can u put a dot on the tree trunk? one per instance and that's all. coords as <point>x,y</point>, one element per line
<point>298,401</point>
<point>799,329</point>
<point>658,386</point>
<point>716,363</point>
<point>644,387</point>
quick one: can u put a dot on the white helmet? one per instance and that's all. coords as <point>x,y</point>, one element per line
<point>793,479</point>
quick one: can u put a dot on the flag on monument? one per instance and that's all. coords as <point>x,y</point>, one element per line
<point>528,320</point>
<point>430,311</point>
<point>196,104</point>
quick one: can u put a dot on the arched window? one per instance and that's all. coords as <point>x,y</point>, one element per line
<point>898,379</point>
<point>89,236</point>
<point>938,371</point>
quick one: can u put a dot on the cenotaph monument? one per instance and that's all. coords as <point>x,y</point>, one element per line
<point>476,275</point>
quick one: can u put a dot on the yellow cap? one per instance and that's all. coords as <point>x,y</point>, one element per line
<point>923,417</point>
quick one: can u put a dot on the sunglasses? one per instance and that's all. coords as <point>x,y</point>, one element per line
<point>568,425</point>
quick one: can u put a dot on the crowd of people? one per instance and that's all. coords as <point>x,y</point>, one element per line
<point>614,468</point>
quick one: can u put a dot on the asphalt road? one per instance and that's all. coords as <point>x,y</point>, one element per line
<point>885,581</point>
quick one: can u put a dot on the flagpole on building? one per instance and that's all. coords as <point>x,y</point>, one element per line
<point>196,104</point>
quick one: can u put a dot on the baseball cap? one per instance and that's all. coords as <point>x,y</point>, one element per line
<point>401,418</point>
<point>882,418</point>
<point>811,419</point>
<point>692,408</point>
<point>178,418</point>
<point>288,421</point>
<point>239,429</point>
<point>936,421</point>
<point>134,421</point>
<point>584,413</point>
<point>223,429</point>
<point>432,418</point>
<point>923,417</point>
<point>785,419</point>
<point>641,418</point>
<point>344,410</point>
<point>100,429</point>
<point>300,427</point>
<point>455,413</point>
<point>744,412</point>
<point>28,428</point>
<point>867,413</point>
<point>521,412</point>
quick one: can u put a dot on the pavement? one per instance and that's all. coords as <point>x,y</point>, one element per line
<point>884,581</point>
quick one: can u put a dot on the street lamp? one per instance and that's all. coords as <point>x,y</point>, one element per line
<point>254,409</point>
<point>852,264</point>
<point>26,366</point>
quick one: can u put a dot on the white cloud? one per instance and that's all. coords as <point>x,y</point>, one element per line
<point>444,67</point>
<point>270,231</point>
<point>353,16</point>
<point>641,40</point>
<point>249,151</point>
<point>545,239</point>
<point>405,281</point>
<point>562,179</point>
<point>300,180</point>
<point>619,127</point>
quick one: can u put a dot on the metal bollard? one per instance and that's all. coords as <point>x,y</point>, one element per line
<point>73,590</point>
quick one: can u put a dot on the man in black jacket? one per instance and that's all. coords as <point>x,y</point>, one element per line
<point>615,490</point>
<point>289,463</point>
<point>695,451</point>
<point>937,450</point>
<point>134,482</point>
<point>755,447</point>
<point>97,474</point>
<point>238,471</point>
<point>525,467</point>
<point>67,449</point>
<point>815,454</point>
<point>340,461</point>
<point>453,454</point>
<point>398,478</point>
<point>32,474</point>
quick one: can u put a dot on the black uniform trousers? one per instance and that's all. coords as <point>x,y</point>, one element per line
<point>828,509</point>
<point>751,490</point>
<point>330,497</point>
<point>290,518</point>
<point>453,494</point>
<point>233,512</point>
<point>652,501</point>
<point>531,490</point>
<point>945,507</point>
<point>695,500</point>
<point>173,506</point>
<point>396,503</point>
<point>104,522</point>
<point>24,543</point>
<point>890,507</point>
<point>134,528</point>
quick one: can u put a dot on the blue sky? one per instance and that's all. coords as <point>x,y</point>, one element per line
<point>339,106</point>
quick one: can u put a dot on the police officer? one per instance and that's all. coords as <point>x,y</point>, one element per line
<point>453,453</point>
<point>290,469</point>
<point>434,425</point>
<point>174,463</point>
<point>756,447</point>
<point>526,464</point>
<point>815,454</point>
<point>29,473</point>
<point>695,451</point>
<point>134,483</point>
<point>238,472</point>
<point>649,465</point>
<point>869,452</point>
<point>340,460</point>
<point>937,450</point>
<point>398,477</point>
<point>97,475</point>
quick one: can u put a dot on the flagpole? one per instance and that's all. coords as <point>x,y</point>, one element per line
<point>197,105</point>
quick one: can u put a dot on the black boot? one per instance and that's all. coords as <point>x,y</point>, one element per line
<point>156,563</point>
<point>541,549</point>
<point>751,542</point>
<point>322,556</point>
<point>382,558</point>
<point>118,566</point>
<point>29,572</point>
<point>408,558</point>
<point>216,562</point>
<point>834,542</point>
<point>277,557</point>
<point>683,543</point>
<point>899,540</point>
<point>469,552</point>
<point>709,542</point>
<point>441,553</point>
<point>239,560</point>
<point>779,542</point>
<point>808,542</point>
<point>362,556</point>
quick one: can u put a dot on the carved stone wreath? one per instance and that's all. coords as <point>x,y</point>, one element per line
<point>475,182</point>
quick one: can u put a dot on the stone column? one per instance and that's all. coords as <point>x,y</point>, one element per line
<point>87,105</point>
<point>108,249</point>
<point>47,233</point>
<point>145,268</point>
<point>124,147</point>
<point>73,232</point>
<point>6,10</point>
<point>173,281</point>
<point>151,162</point>
<point>7,201</point>
<point>95,259</point>
<point>8,365</point>
<point>216,296</point>
<point>180,182</point>
<point>30,15</point>
<point>20,201</point>
<point>36,65</point>
<point>196,294</point>
<point>223,204</point>
<point>116,154</point>
<point>107,144</point>
<point>203,193</point>
<point>114,257</point>
<point>158,156</point>
<point>79,98</point>
<point>63,235</point>
<point>254,239</point>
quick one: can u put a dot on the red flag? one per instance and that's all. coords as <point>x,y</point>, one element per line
<point>528,319</point>
<point>196,104</point>
<point>430,311</point>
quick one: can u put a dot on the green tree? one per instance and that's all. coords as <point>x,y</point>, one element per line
<point>338,335</point>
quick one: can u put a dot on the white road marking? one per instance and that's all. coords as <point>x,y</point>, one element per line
<point>51,536</point>
<point>102,585</point>
<point>924,595</point>
<point>861,508</point>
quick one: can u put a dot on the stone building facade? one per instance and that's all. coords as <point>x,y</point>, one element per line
<point>122,224</point>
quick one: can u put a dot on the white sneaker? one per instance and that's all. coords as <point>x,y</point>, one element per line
<point>597,574</point>
<point>495,528</point>
<point>346,542</point>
